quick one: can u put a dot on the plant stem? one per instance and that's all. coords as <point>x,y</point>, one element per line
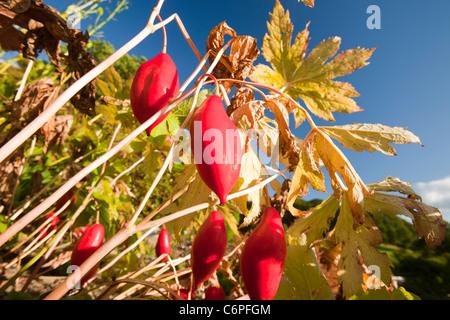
<point>129,230</point>
<point>24,80</point>
<point>32,127</point>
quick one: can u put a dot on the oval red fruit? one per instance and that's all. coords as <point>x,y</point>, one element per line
<point>208,247</point>
<point>216,146</point>
<point>53,225</point>
<point>89,242</point>
<point>163,244</point>
<point>214,293</point>
<point>263,257</point>
<point>154,84</point>
<point>66,197</point>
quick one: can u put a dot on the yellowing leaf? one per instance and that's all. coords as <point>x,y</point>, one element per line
<point>428,220</point>
<point>309,3</point>
<point>358,246</point>
<point>251,170</point>
<point>303,274</point>
<point>309,77</point>
<point>336,163</point>
<point>306,172</point>
<point>384,294</point>
<point>316,222</point>
<point>370,137</point>
<point>391,184</point>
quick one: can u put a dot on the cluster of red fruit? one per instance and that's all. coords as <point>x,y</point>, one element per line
<point>155,84</point>
<point>90,236</point>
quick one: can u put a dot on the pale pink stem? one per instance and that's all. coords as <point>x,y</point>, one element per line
<point>31,128</point>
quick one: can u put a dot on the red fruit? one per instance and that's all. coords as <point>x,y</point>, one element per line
<point>263,257</point>
<point>208,248</point>
<point>214,293</point>
<point>154,84</point>
<point>184,293</point>
<point>163,244</point>
<point>89,242</point>
<point>81,230</point>
<point>53,225</point>
<point>62,201</point>
<point>216,147</point>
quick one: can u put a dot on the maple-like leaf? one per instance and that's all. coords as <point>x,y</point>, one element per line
<point>359,247</point>
<point>309,77</point>
<point>371,137</point>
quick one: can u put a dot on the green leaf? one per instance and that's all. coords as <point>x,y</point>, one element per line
<point>302,271</point>
<point>168,127</point>
<point>181,110</point>
<point>383,294</point>
<point>316,222</point>
<point>113,79</point>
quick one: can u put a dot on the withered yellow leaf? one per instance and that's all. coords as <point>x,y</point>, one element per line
<point>428,220</point>
<point>316,222</point>
<point>391,184</point>
<point>359,247</point>
<point>309,3</point>
<point>371,137</point>
<point>306,173</point>
<point>336,163</point>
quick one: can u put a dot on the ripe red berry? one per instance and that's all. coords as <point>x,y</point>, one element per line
<point>89,242</point>
<point>216,146</point>
<point>263,257</point>
<point>154,84</point>
<point>214,293</point>
<point>184,293</point>
<point>66,197</point>
<point>208,248</point>
<point>79,232</point>
<point>53,225</point>
<point>163,244</point>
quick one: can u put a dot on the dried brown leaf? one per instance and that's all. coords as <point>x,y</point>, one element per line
<point>239,63</point>
<point>288,144</point>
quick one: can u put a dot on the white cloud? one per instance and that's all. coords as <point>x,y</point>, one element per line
<point>436,193</point>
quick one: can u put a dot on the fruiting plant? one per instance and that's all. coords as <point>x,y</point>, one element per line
<point>208,248</point>
<point>263,257</point>
<point>216,146</point>
<point>214,292</point>
<point>89,242</point>
<point>53,225</point>
<point>64,199</point>
<point>154,84</point>
<point>118,171</point>
<point>163,244</point>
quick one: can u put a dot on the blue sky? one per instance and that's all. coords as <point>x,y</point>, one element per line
<point>406,83</point>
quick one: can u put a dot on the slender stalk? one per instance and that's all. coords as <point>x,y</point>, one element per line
<point>30,216</point>
<point>24,80</point>
<point>134,165</point>
<point>31,128</point>
<point>308,117</point>
<point>129,230</point>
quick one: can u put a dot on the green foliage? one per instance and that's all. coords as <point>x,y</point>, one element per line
<point>125,66</point>
<point>425,270</point>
